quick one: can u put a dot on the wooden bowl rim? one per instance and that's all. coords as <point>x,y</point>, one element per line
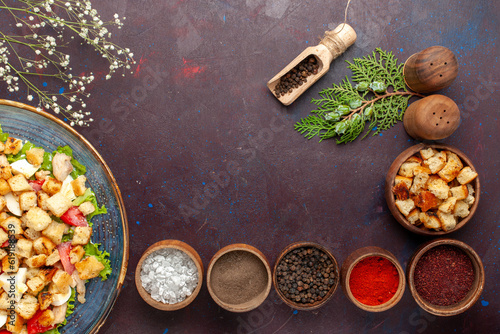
<point>331,292</point>
<point>164,244</point>
<point>256,301</point>
<point>372,251</point>
<point>389,182</point>
<point>473,294</point>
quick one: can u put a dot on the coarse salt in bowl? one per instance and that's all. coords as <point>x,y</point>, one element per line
<point>169,275</point>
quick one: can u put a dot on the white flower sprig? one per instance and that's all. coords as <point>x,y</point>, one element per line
<point>47,22</point>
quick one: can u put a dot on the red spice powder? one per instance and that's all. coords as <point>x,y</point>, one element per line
<point>374,280</point>
<point>444,275</point>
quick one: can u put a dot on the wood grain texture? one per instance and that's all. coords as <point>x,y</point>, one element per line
<point>363,253</point>
<point>255,302</point>
<point>431,70</point>
<point>434,117</point>
<point>475,291</point>
<point>393,171</point>
<point>174,244</point>
<point>328,296</point>
<point>324,56</point>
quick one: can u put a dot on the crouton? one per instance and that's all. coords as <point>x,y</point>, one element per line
<point>47,273</point>
<point>427,153</point>
<point>4,301</point>
<point>32,272</point>
<point>437,162</point>
<point>42,198</point>
<point>46,318</point>
<point>450,170</point>
<point>15,323</point>
<point>27,306</point>
<point>44,245</point>
<point>36,261</point>
<point>461,209</point>
<point>406,169</point>
<point>86,208</point>
<point>430,220</point>
<point>27,200</point>
<point>454,156</point>
<point>35,285</point>
<point>439,188</point>
<point>51,186</point>
<point>3,253</point>
<point>31,234</point>
<point>448,205</point>
<point>426,200</point>
<point>35,156</point>
<point>3,203</point>
<point>79,185</point>
<point>62,280</point>
<point>13,146</point>
<point>448,221</point>
<point>466,175</point>
<point>10,263</point>
<point>407,180</point>
<point>13,225</point>
<point>419,181</point>
<point>4,187</point>
<point>470,197</point>
<point>5,172</point>
<point>19,184</point>
<point>89,268</point>
<point>414,216</point>
<point>414,158</point>
<point>58,204</point>
<point>55,232</point>
<point>37,219</point>
<point>460,192</point>
<point>76,254</point>
<point>24,248</point>
<point>82,235</point>
<point>44,300</point>
<point>405,206</point>
<point>53,258</point>
<point>2,146</point>
<point>401,191</point>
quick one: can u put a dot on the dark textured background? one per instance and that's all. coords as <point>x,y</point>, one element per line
<point>197,106</point>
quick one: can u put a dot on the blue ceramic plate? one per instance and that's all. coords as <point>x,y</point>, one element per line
<point>111,230</point>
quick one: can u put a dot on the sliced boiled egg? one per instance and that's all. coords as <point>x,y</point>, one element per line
<point>12,202</point>
<point>67,188</point>
<point>24,167</point>
<point>3,318</point>
<point>59,299</point>
<point>18,284</point>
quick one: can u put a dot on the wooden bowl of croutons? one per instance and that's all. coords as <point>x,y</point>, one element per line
<point>432,189</point>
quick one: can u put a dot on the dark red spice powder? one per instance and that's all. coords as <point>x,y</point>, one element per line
<point>374,280</point>
<point>443,275</point>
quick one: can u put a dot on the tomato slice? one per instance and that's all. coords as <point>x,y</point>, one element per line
<point>34,326</point>
<point>74,217</point>
<point>37,186</point>
<point>4,331</point>
<point>64,250</point>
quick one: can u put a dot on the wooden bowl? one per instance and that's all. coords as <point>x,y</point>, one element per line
<point>363,253</point>
<point>470,298</point>
<point>317,304</point>
<point>175,244</point>
<point>224,254</point>
<point>393,171</point>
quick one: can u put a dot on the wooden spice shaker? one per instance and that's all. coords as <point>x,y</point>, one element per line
<point>333,44</point>
<point>432,118</point>
<point>430,70</point>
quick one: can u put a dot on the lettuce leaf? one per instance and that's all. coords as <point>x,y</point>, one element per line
<point>92,249</point>
<point>89,196</point>
<point>78,168</point>
<point>3,135</point>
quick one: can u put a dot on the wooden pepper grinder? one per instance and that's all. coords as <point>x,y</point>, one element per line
<point>430,70</point>
<point>432,118</point>
<point>333,44</point>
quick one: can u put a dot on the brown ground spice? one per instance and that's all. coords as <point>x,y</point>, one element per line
<point>238,277</point>
<point>444,275</point>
